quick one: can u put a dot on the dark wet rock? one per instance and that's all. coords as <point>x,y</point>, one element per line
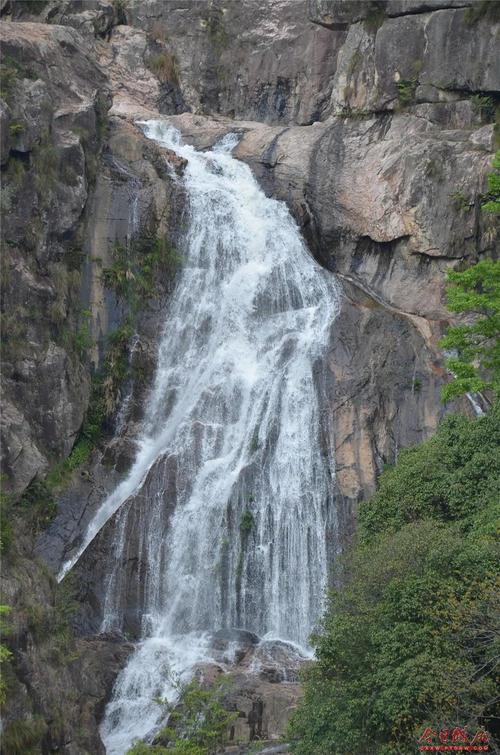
<point>262,687</point>
<point>378,134</point>
<point>239,636</point>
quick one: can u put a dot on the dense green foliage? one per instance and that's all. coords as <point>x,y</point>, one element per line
<point>476,366</point>
<point>453,476</point>
<point>413,636</point>
<point>493,197</point>
<point>198,725</point>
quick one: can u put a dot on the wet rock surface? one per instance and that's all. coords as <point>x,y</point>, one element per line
<point>262,685</point>
<point>378,131</point>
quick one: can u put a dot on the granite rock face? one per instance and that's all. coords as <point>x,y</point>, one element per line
<point>57,685</point>
<point>374,121</point>
<point>75,183</point>
<point>53,108</point>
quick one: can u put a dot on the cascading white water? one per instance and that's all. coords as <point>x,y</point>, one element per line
<point>236,404</point>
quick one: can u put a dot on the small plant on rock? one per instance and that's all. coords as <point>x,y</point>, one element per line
<point>165,67</point>
<point>246,523</point>
<point>493,196</point>
<point>484,107</point>
<point>406,91</point>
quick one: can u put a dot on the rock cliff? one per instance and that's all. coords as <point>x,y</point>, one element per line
<point>374,121</point>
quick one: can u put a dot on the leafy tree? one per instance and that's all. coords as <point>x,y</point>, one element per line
<point>476,366</point>
<point>197,725</point>
<point>452,476</point>
<point>412,638</point>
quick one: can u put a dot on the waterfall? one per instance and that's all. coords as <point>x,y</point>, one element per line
<point>235,457</point>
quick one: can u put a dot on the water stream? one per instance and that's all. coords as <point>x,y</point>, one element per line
<point>240,536</point>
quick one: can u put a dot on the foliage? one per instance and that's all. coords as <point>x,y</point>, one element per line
<point>133,276</point>
<point>24,736</point>
<point>460,202</point>
<point>246,523</point>
<point>484,106</point>
<point>216,30</point>
<point>6,530</point>
<point>120,8</point>
<point>102,121</point>
<point>493,197</point>
<point>78,341</point>
<point>16,129</point>
<point>165,67</point>
<point>406,91</point>
<point>47,161</point>
<point>355,62</point>
<point>10,72</point>
<point>39,504</point>
<point>375,18</point>
<point>452,476</point>
<point>354,114</point>
<point>136,269</point>
<point>412,638</point>
<point>197,725</point>
<point>476,292</point>
<point>5,653</point>
<point>482,9</point>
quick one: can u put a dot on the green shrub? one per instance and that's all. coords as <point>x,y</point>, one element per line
<point>102,122</point>
<point>450,477</point>
<point>136,269</point>
<point>246,523</point>
<point>11,71</point>
<point>406,91</point>
<point>79,341</point>
<point>16,129</point>
<point>484,106</point>
<point>493,197</point>
<point>47,162</point>
<point>401,646</point>
<point>354,63</point>
<point>39,504</point>
<point>197,725</point>
<point>460,202</point>
<point>411,637</point>
<point>165,67</point>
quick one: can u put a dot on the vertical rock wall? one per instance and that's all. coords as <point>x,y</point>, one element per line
<point>375,121</point>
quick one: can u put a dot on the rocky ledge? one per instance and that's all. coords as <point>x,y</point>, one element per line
<point>378,132</point>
